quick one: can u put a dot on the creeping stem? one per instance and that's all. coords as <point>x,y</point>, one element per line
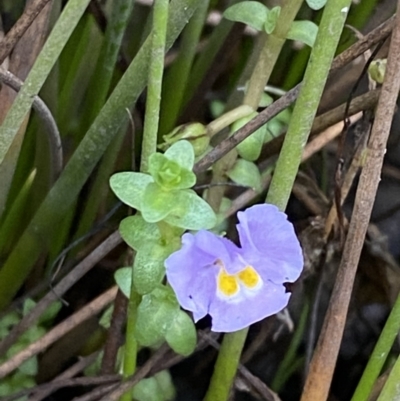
<point>158,39</point>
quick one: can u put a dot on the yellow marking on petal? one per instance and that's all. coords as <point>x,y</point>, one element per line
<point>249,277</point>
<point>227,284</point>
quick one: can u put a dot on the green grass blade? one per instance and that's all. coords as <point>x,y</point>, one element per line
<point>85,158</point>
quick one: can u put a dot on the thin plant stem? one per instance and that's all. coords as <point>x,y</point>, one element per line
<point>325,355</point>
<point>95,99</point>
<point>234,342</point>
<point>391,389</point>
<point>176,79</point>
<point>270,52</point>
<point>226,366</point>
<point>290,355</point>
<point>379,354</point>
<point>316,74</point>
<point>66,190</point>
<point>158,43</point>
<point>33,84</point>
<point>228,118</point>
<point>207,56</point>
<point>101,80</point>
<point>152,115</point>
<point>131,345</point>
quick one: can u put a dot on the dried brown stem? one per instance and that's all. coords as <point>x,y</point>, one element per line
<point>323,363</point>
<point>55,384</point>
<point>54,138</point>
<point>378,34</point>
<point>141,374</point>
<point>20,27</point>
<point>66,283</point>
<point>115,334</point>
<point>57,332</point>
<point>316,144</point>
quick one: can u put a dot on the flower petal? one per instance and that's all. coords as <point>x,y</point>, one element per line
<point>269,243</point>
<point>192,272</point>
<point>229,317</point>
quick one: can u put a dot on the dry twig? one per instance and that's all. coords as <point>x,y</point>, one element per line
<point>323,363</point>
<point>20,27</point>
<point>60,330</point>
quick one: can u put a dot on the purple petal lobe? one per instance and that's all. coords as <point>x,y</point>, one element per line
<point>237,286</point>
<point>269,243</point>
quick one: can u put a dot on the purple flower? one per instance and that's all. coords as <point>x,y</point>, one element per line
<point>237,286</point>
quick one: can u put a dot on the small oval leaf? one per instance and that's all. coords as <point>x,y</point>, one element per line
<point>182,153</point>
<point>155,315</point>
<point>191,212</point>
<point>304,31</point>
<point>250,148</point>
<point>123,278</point>
<point>272,19</point>
<point>246,173</point>
<point>129,187</point>
<point>251,13</point>
<point>181,335</point>
<point>316,4</point>
<point>148,268</point>
<point>137,232</point>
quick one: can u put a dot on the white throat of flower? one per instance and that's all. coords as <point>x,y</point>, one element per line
<point>235,287</point>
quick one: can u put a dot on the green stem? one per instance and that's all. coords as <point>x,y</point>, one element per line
<point>267,58</point>
<point>321,57</point>
<point>228,118</point>
<point>158,43</point>
<point>152,116</point>
<point>67,188</point>
<point>226,366</point>
<point>379,354</point>
<point>103,73</point>
<point>270,52</point>
<point>391,389</point>
<point>290,356</point>
<point>131,345</point>
<point>33,83</point>
<point>94,101</point>
<point>207,56</point>
<point>177,77</point>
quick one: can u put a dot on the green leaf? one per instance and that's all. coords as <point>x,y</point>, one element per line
<point>28,305</point>
<point>147,390</point>
<point>274,129</point>
<point>50,313</point>
<point>129,187</point>
<point>137,232</point>
<point>169,174</point>
<point>181,335</point>
<point>251,13</point>
<point>316,4</point>
<point>250,148</point>
<point>29,367</point>
<point>182,153</point>
<point>166,385</point>
<point>266,100</point>
<point>304,31</point>
<point>191,212</point>
<point>157,203</point>
<point>272,18</point>
<point>31,335</point>
<point>148,268</point>
<point>123,278</point>
<point>7,322</point>
<point>377,70</point>
<point>155,315</point>
<point>105,319</point>
<point>246,173</point>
